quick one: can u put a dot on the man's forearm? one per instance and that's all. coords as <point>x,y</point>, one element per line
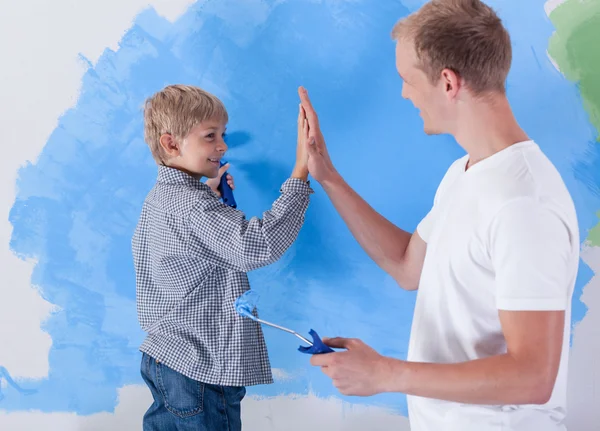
<point>384,242</point>
<point>495,380</point>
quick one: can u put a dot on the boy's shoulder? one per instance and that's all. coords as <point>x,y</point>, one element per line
<point>177,193</point>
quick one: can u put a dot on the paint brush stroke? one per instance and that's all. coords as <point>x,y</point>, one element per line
<point>574,48</point>
<point>77,206</point>
<point>4,374</point>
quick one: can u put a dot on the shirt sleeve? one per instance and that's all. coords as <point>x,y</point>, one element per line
<point>532,254</point>
<point>425,226</point>
<point>222,234</point>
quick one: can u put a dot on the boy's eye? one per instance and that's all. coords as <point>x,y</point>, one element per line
<point>224,135</point>
<point>210,135</point>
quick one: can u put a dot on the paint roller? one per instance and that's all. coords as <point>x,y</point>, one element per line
<point>225,190</point>
<point>233,140</point>
<point>245,305</point>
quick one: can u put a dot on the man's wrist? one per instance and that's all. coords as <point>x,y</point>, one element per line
<point>393,375</point>
<point>332,181</point>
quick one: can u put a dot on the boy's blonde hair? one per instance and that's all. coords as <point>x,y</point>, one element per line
<point>175,110</point>
<point>465,36</point>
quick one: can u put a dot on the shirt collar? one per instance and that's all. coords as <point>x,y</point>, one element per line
<point>167,175</point>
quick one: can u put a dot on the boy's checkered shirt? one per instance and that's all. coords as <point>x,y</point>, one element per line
<point>191,253</point>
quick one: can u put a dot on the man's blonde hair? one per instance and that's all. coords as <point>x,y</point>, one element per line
<point>465,36</point>
<point>175,110</point>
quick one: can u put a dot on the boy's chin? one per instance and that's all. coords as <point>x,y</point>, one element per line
<point>211,175</point>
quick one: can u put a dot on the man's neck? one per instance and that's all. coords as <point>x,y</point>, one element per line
<point>486,127</point>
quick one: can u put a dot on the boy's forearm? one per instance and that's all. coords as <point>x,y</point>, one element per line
<point>300,172</point>
<point>246,245</point>
<point>384,242</point>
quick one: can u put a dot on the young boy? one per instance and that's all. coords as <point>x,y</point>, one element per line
<point>191,254</point>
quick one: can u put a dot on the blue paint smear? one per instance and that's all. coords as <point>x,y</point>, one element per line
<point>77,206</point>
<point>4,374</point>
<point>246,304</point>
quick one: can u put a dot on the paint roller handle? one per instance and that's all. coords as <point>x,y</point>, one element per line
<point>225,190</point>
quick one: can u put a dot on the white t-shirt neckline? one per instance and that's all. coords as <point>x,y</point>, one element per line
<point>495,158</point>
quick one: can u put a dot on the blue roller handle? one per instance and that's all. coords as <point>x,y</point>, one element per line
<point>225,190</point>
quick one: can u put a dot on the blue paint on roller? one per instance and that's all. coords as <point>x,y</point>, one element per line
<point>246,304</point>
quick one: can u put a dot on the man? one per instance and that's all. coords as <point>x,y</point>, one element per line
<point>494,261</point>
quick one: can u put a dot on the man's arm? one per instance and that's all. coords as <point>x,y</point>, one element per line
<point>396,251</point>
<point>525,374</point>
<point>533,252</point>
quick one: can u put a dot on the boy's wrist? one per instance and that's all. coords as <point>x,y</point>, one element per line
<point>300,172</point>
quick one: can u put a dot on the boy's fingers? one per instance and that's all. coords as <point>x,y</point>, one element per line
<point>223,169</point>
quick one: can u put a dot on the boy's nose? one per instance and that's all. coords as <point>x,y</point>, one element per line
<point>222,146</point>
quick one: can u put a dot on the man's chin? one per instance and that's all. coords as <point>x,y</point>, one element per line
<point>430,131</point>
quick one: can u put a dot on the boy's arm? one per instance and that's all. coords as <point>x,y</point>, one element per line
<point>222,235</point>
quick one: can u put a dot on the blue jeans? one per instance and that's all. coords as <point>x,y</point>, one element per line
<point>183,404</point>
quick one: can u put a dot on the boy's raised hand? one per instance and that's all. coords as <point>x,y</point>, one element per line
<point>301,167</point>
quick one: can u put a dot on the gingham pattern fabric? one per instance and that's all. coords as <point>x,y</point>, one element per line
<point>191,253</point>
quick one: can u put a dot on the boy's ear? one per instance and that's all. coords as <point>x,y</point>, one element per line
<point>169,144</point>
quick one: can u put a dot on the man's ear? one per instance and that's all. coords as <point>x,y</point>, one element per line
<point>451,81</point>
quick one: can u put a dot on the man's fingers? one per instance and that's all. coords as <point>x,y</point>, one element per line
<point>311,115</point>
<point>338,342</point>
<point>312,147</point>
<point>321,360</point>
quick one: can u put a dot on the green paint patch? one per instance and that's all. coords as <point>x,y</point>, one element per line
<point>594,235</point>
<point>575,47</point>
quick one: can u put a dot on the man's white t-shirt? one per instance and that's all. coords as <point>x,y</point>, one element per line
<point>502,235</point>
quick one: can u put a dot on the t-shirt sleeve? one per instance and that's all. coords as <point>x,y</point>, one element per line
<point>425,226</point>
<point>532,256</point>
